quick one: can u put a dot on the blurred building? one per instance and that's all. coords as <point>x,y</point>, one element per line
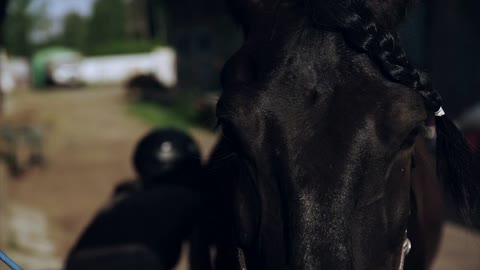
<point>455,55</point>
<point>202,33</point>
<point>204,36</point>
<point>443,37</point>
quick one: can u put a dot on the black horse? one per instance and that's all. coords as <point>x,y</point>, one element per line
<point>322,157</point>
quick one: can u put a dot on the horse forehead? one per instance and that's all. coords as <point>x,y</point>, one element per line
<point>333,111</point>
<point>309,68</point>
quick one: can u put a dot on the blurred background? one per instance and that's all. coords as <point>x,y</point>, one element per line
<point>82,80</point>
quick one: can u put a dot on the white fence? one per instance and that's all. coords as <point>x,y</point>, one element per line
<point>116,69</point>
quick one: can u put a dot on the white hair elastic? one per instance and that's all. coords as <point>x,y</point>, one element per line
<point>440,112</point>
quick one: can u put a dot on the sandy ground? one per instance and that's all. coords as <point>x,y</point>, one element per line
<point>91,137</point>
<point>460,250</point>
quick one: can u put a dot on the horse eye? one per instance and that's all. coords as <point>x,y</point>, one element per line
<point>229,134</point>
<point>239,69</point>
<point>410,139</point>
<point>224,124</point>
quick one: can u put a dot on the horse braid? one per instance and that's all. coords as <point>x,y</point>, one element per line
<point>365,34</point>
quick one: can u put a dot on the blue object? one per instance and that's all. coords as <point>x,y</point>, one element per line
<point>9,261</point>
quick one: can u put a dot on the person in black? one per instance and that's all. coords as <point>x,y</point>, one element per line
<point>146,222</point>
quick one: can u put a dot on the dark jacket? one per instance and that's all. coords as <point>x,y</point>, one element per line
<point>159,219</point>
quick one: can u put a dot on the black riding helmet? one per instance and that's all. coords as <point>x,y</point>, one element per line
<point>167,156</point>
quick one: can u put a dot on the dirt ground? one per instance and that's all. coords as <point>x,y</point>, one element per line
<point>91,138</point>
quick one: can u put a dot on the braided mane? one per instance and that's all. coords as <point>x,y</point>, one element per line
<point>368,26</point>
<point>390,13</point>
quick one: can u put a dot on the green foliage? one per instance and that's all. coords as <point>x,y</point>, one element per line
<point>123,47</point>
<point>18,26</point>
<point>114,27</point>
<point>74,32</point>
<point>179,115</point>
<point>107,29</point>
<point>107,22</point>
<point>157,19</point>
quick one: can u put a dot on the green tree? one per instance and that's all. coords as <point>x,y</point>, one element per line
<point>156,19</point>
<point>41,23</point>
<point>107,23</point>
<point>74,33</point>
<point>18,26</point>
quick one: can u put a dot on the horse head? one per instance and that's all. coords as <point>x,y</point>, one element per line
<point>322,112</point>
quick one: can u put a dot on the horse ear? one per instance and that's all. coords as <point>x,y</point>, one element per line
<point>390,13</point>
<point>247,12</point>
